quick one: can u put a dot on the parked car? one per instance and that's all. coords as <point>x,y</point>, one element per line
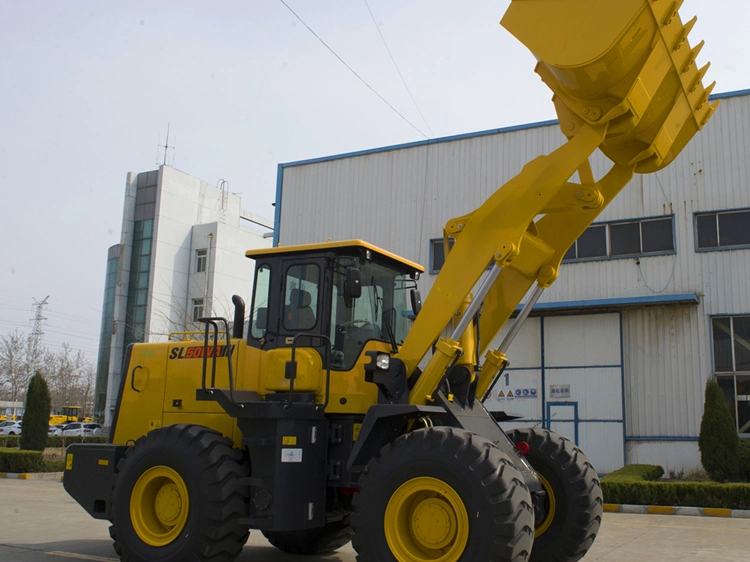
<point>56,430</point>
<point>78,429</point>
<point>10,428</point>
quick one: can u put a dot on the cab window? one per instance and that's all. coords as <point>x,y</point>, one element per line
<point>380,313</point>
<point>261,291</point>
<point>301,296</point>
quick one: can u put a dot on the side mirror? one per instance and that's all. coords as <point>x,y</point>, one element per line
<point>416,301</point>
<point>352,284</point>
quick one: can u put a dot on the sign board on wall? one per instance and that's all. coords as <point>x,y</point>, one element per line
<point>559,391</point>
<point>518,393</point>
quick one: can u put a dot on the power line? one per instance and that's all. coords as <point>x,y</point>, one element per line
<point>72,335</point>
<point>413,126</point>
<point>54,313</point>
<point>25,308</point>
<point>393,60</point>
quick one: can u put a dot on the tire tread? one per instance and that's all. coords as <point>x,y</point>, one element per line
<point>220,467</point>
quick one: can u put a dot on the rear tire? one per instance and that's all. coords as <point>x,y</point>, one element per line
<point>322,540</point>
<point>574,496</point>
<point>442,494</point>
<point>177,498</point>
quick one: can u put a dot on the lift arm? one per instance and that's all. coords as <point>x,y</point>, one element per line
<point>624,81</point>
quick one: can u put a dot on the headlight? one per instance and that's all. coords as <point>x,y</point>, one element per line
<point>383,361</point>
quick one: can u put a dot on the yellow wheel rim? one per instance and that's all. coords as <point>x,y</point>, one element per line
<point>426,521</point>
<point>159,506</point>
<point>542,527</point>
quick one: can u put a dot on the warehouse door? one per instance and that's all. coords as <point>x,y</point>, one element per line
<point>566,375</point>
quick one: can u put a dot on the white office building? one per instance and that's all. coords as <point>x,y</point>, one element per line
<point>181,257</point>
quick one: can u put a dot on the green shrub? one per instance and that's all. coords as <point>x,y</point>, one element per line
<point>689,494</point>
<point>9,441</point>
<point>635,472</point>
<point>54,466</point>
<point>17,460</point>
<point>745,460</point>
<point>54,442</point>
<point>36,415</point>
<point>57,440</point>
<point>718,441</point>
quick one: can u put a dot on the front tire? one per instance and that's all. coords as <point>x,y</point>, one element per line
<point>442,494</point>
<point>177,497</point>
<point>574,504</point>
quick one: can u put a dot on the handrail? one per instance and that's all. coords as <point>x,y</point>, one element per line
<point>191,333</point>
<point>213,322</point>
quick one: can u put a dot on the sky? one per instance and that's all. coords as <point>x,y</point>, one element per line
<point>89,89</point>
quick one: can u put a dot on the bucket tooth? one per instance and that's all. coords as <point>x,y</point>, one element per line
<point>693,55</point>
<point>704,97</point>
<point>709,113</point>
<point>699,78</point>
<point>672,12</point>
<point>686,29</point>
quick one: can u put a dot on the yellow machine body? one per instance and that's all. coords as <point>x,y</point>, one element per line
<point>346,397</point>
<point>624,81</point>
<point>160,379</point>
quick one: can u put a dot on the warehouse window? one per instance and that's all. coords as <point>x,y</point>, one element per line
<point>726,229</point>
<point>731,347</point>
<point>201,258</point>
<point>624,239</point>
<point>437,253</point>
<point>591,244</point>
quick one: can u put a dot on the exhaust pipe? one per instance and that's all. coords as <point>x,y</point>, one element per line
<point>238,329</point>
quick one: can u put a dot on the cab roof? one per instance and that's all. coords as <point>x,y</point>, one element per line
<point>304,248</point>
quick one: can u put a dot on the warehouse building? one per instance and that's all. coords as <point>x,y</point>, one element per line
<point>181,257</point>
<point>651,301</point>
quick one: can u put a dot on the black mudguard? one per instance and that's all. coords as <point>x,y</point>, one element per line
<point>89,472</point>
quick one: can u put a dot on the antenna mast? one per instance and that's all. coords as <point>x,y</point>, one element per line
<point>166,148</point>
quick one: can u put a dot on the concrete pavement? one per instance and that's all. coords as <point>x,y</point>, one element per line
<point>41,523</point>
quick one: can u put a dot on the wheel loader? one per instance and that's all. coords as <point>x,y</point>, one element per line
<point>349,411</point>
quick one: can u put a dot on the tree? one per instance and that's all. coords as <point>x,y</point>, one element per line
<point>67,374</point>
<point>14,373</point>
<point>36,415</point>
<point>718,441</point>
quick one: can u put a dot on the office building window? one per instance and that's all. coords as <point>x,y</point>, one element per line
<point>725,229</point>
<point>140,268</point>
<point>201,259</point>
<point>197,309</point>
<point>624,239</point>
<point>731,347</point>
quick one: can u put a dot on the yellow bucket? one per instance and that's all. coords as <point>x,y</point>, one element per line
<point>623,63</point>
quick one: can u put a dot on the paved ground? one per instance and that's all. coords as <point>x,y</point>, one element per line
<point>40,523</point>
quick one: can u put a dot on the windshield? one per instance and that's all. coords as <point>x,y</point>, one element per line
<point>380,313</point>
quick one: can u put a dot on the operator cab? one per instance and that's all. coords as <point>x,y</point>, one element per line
<point>351,292</point>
